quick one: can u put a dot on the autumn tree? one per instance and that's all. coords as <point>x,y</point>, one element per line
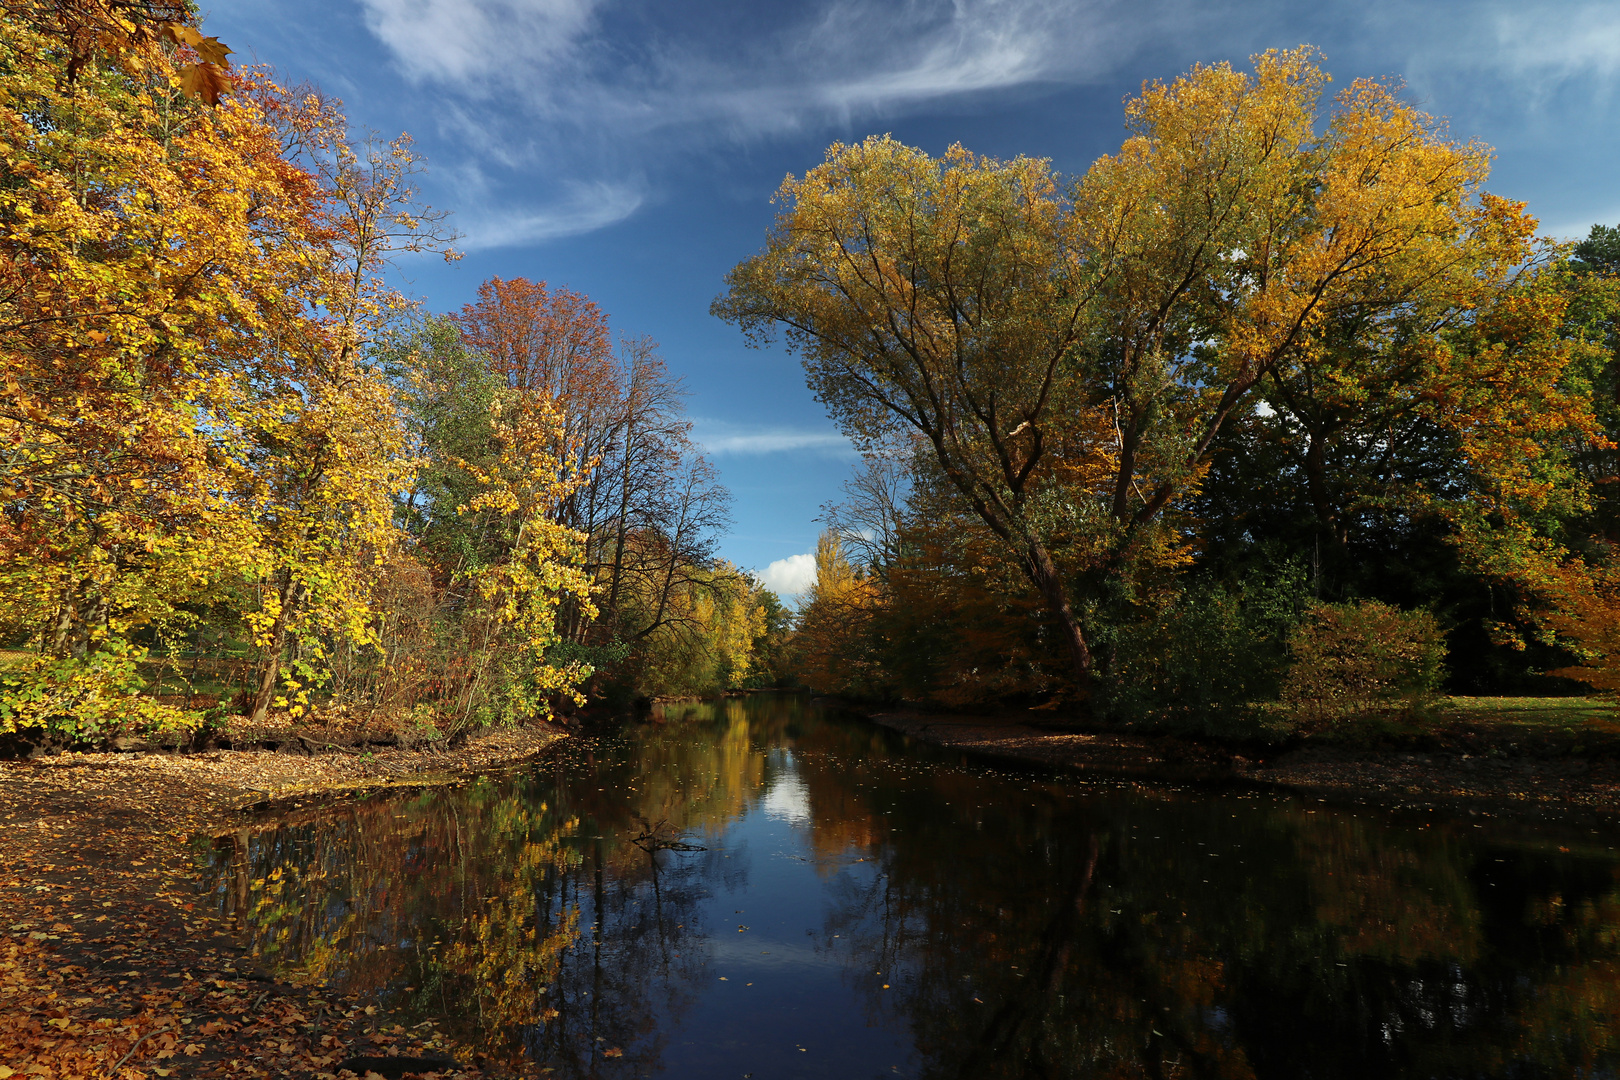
<point>649,505</point>
<point>1549,540</point>
<point>1070,355</point>
<point>837,649</point>
<point>323,437</point>
<point>948,297</point>
<point>537,570</point>
<point>145,255</point>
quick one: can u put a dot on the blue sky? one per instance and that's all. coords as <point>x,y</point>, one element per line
<point>629,148</point>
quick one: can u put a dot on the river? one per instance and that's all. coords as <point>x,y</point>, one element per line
<point>754,889</point>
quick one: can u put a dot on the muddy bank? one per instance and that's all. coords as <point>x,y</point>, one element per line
<point>111,965</point>
<point>1557,787</point>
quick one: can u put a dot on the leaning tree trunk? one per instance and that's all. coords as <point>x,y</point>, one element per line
<point>270,666</point>
<point>1045,575</point>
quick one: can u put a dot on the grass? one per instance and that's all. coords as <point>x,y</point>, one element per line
<point>1529,712</point>
<point>1498,727</point>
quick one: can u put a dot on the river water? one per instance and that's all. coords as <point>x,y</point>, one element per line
<point>755,889</point>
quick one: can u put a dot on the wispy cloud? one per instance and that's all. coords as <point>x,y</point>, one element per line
<point>566,97</point>
<point>569,96</point>
<point>588,207</point>
<point>1527,52</point>
<point>721,437</point>
<point>1579,42</point>
<point>580,62</point>
<point>479,46</point>
<point>791,577</point>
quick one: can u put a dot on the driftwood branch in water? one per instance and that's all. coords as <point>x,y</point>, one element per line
<point>663,837</point>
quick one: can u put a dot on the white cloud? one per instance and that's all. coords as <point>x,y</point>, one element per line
<point>720,437</point>
<point>584,92</point>
<point>556,117</point>
<point>588,207</point>
<point>790,577</point>
<point>1580,42</point>
<point>473,44</point>
<point>562,63</point>
<point>572,96</point>
<point>1529,53</point>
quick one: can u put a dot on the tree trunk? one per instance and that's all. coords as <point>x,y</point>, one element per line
<point>270,666</point>
<point>611,615</point>
<point>64,622</point>
<point>1045,575</point>
<point>1321,499</point>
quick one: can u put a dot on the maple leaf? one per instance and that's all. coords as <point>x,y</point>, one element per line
<point>205,82</point>
<point>211,49</point>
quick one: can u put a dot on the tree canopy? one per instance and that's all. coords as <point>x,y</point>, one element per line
<point>1258,264</point>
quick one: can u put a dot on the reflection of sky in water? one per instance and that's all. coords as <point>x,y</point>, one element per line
<point>775,999</point>
<point>786,798</point>
<point>857,909</point>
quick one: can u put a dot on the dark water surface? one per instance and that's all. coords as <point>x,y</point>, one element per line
<point>754,889</point>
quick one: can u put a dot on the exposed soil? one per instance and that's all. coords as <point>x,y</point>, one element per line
<point>1485,781</point>
<point>107,966</point>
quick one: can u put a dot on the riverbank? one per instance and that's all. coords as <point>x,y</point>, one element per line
<point>1487,781</point>
<point>111,965</point>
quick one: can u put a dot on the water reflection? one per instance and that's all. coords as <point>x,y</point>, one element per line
<point>753,888</point>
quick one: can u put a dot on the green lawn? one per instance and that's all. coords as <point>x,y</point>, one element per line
<point>1528,712</point>
<point>1496,726</point>
<point>1518,726</point>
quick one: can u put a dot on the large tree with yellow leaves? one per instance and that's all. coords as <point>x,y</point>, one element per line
<point>1070,353</point>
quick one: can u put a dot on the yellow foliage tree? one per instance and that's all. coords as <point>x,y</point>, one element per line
<point>836,651</point>
<point>541,566</point>
<point>142,258</point>
<point>322,439</point>
<point>1069,358</point>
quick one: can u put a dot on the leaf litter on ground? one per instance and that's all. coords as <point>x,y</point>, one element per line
<point>110,969</point>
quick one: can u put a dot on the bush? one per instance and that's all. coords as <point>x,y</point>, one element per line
<point>1204,662</point>
<point>1362,659</point>
<point>72,700</point>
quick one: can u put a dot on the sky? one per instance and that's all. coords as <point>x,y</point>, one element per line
<point>629,149</point>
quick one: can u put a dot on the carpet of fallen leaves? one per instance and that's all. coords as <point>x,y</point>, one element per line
<point>1492,783</point>
<point>109,967</point>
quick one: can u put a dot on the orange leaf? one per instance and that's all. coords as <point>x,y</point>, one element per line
<point>205,82</point>
<point>209,48</point>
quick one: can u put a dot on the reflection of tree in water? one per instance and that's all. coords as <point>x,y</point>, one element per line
<point>446,904</point>
<point>642,951</point>
<point>1114,937</point>
<point>523,913</point>
<point>1015,927</point>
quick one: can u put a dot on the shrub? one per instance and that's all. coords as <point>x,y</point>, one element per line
<point>1362,659</point>
<point>1203,663</point>
<point>74,699</point>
